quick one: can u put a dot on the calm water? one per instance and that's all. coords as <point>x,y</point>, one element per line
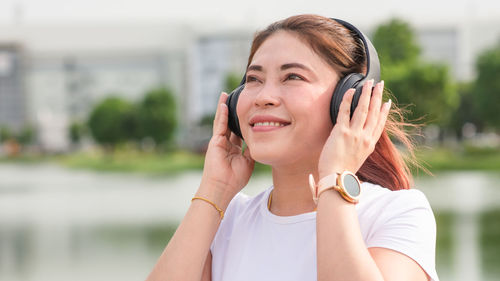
<point>59,224</point>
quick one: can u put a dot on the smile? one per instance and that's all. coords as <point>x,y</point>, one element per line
<point>269,124</point>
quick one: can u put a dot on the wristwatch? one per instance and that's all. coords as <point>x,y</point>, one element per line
<point>346,183</point>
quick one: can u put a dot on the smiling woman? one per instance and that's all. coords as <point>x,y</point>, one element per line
<point>374,229</point>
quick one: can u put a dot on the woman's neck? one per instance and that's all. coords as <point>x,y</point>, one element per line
<point>291,194</point>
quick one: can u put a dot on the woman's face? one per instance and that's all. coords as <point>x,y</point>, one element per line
<point>284,108</point>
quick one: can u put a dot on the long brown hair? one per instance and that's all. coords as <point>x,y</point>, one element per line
<point>342,51</point>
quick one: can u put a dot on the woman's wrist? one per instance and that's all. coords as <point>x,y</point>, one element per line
<point>215,192</point>
<point>336,169</point>
<point>326,172</point>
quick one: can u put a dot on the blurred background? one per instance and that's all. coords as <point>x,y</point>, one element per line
<point>106,109</point>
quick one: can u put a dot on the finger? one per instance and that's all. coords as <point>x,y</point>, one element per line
<point>375,107</point>
<point>222,99</point>
<point>235,140</point>
<point>227,135</point>
<point>386,107</point>
<point>344,115</point>
<point>359,117</point>
<point>220,121</point>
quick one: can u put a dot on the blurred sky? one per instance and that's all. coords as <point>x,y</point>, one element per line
<point>256,13</point>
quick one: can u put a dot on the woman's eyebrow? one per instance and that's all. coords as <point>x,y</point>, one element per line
<point>294,65</point>
<point>254,67</point>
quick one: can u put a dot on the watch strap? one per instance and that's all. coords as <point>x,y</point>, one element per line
<point>326,183</point>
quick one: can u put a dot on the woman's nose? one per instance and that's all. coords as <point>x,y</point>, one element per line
<point>268,96</point>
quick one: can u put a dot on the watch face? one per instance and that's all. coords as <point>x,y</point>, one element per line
<point>351,185</point>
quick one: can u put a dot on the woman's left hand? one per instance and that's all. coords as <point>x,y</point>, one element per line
<point>353,140</point>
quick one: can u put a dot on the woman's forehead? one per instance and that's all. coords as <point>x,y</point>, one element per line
<point>286,47</point>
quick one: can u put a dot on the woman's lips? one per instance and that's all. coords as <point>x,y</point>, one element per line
<point>266,123</point>
<point>266,126</point>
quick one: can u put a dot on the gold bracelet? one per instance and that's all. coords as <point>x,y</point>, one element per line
<point>221,212</point>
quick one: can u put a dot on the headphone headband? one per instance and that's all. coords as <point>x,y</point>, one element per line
<point>372,61</point>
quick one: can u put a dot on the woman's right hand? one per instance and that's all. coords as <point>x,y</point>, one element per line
<point>227,169</point>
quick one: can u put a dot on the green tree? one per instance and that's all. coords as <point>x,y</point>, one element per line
<point>76,132</point>
<point>5,133</point>
<point>427,88</point>
<point>113,121</point>
<point>487,87</point>
<point>158,116</point>
<point>466,111</point>
<point>26,135</point>
<point>207,120</point>
<point>232,82</point>
<point>395,43</point>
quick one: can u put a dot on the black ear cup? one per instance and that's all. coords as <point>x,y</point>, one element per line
<point>231,102</point>
<point>352,80</point>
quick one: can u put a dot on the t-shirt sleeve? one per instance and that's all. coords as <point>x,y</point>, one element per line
<point>226,225</point>
<point>407,225</point>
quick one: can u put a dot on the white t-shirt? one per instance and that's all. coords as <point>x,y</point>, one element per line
<point>254,244</point>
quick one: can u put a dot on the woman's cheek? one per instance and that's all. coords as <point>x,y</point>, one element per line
<point>242,109</point>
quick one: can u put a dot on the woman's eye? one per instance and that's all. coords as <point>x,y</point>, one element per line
<point>251,79</point>
<point>293,77</point>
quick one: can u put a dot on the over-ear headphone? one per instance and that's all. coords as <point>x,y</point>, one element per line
<point>351,80</point>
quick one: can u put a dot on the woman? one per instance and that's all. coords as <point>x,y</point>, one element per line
<point>284,233</point>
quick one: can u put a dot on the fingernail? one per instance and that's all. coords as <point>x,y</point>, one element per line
<point>382,84</point>
<point>389,103</point>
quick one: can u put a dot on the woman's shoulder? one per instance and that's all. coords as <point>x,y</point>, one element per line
<point>240,205</point>
<point>400,220</point>
<point>376,196</point>
<point>382,209</point>
<point>241,200</point>
<point>243,203</point>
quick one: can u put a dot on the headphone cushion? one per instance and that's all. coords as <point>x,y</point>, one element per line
<point>352,80</point>
<point>231,102</point>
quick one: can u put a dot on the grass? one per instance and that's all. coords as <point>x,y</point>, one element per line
<point>25,159</point>
<point>435,159</point>
<point>140,162</point>
<point>464,158</point>
<point>134,161</point>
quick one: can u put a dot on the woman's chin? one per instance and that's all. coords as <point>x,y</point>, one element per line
<point>275,157</point>
<point>267,156</point>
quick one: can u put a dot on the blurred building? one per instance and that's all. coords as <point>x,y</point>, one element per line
<point>13,101</point>
<point>51,76</point>
<point>458,45</point>
<point>212,58</point>
<point>67,69</point>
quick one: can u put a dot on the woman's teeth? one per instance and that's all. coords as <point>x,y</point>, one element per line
<point>274,124</point>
